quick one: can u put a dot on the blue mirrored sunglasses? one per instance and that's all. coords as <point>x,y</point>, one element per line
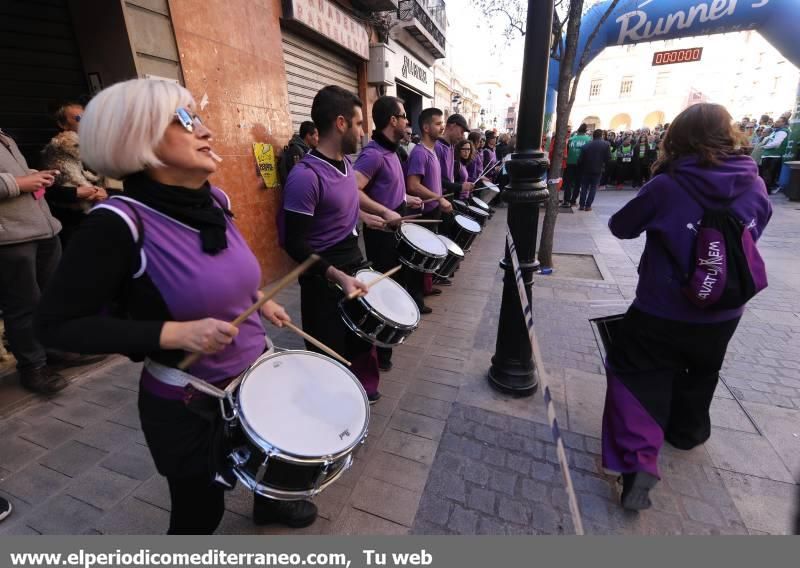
<point>187,119</point>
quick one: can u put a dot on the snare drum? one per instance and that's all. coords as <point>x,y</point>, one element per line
<point>302,415</point>
<point>454,257</point>
<point>386,316</point>
<point>460,206</point>
<point>478,214</point>
<point>419,248</point>
<point>463,231</point>
<point>479,203</point>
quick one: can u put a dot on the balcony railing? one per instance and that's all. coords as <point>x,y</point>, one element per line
<point>432,16</point>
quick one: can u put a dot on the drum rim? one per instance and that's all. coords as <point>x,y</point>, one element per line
<point>479,211</point>
<point>449,252</point>
<point>404,327</point>
<point>401,237</point>
<point>281,453</point>
<point>480,203</point>
<point>455,219</point>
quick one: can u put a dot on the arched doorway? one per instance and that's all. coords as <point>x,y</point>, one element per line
<point>621,121</point>
<point>654,118</point>
<point>593,122</point>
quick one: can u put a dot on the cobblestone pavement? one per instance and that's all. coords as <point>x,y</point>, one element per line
<point>445,453</point>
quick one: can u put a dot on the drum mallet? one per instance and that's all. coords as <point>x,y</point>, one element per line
<point>355,293</point>
<point>281,284</point>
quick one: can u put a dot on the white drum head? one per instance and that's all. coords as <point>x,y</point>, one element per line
<point>478,211</point>
<point>303,404</point>
<point>389,299</point>
<point>480,203</point>
<point>423,239</point>
<point>468,224</point>
<point>451,246</point>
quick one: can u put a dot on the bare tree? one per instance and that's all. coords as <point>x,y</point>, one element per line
<point>566,28</point>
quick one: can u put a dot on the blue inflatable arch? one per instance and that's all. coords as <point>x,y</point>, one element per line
<point>639,21</point>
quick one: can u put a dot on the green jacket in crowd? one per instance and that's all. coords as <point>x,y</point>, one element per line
<point>574,146</point>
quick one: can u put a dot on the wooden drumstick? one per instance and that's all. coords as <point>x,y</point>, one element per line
<point>423,221</point>
<point>282,283</point>
<point>401,219</point>
<point>354,294</point>
<point>314,341</point>
<point>446,195</point>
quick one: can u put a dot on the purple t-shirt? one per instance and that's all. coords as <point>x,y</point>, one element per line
<point>318,189</point>
<point>424,162</point>
<point>475,167</point>
<point>382,167</point>
<point>444,152</point>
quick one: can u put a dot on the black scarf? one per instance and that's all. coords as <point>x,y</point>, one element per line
<point>384,141</point>
<point>193,207</point>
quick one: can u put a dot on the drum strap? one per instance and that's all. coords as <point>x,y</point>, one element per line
<point>177,378</point>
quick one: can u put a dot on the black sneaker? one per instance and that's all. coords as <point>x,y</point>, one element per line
<point>5,508</point>
<point>42,380</point>
<point>443,282</point>
<point>636,490</point>
<point>434,292</point>
<point>426,310</point>
<point>293,514</point>
<point>374,397</point>
<point>385,366</point>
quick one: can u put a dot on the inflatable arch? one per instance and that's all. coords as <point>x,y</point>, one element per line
<point>639,21</point>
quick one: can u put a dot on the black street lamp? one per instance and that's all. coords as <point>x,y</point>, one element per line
<point>512,368</point>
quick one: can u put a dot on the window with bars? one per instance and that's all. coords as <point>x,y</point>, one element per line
<point>662,83</point>
<point>626,86</point>
<point>595,87</point>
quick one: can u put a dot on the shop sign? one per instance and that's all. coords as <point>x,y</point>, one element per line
<point>327,19</point>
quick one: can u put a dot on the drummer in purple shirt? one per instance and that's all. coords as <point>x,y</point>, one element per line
<point>320,212</point>
<point>424,180</point>
<point>382,196</point>
<point>454,132</point>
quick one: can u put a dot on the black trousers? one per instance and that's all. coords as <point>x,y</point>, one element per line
<point>25,270</point>
<point>381,249</point>
<point>641,171</point>
<point>771,171</point>
<point>672,369</point>
<point>319,306</point>
<point>572,183</point>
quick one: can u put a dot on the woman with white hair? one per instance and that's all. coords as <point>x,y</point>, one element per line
<point>157,272</point>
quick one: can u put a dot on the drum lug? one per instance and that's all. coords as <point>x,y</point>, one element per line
<point>321,476</point>
<point>240,456</point>
<point>262,469</point>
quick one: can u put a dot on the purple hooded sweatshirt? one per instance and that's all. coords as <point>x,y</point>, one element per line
<point>670,216</point>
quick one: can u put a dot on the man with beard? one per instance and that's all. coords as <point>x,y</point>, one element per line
<point>320,214</point>
<point>382,196</point>
<point>424,180</point>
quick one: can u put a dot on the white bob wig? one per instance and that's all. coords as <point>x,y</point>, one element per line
<point>123,124</point>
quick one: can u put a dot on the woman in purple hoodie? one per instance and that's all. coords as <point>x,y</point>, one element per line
<point>664,364</point>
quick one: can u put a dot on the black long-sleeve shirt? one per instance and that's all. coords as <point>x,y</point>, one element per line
<point>94,279</point>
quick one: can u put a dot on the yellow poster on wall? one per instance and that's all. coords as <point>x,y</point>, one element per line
<point>267,165</point>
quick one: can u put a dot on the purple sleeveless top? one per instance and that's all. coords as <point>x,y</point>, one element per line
<point>196,285</point>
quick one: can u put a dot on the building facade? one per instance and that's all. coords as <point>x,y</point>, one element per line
<point>253,67</point>
<point>625,87</point>
<point>455,95</point>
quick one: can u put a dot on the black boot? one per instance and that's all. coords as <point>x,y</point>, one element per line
<point>293,514</point>
<point>636,490</point>
<point>42,380</point>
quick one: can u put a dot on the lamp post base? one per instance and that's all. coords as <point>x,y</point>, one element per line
<point>512,377</point>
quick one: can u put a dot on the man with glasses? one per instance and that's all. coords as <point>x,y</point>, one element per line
<point>405,145</point>
<point>382,197</point>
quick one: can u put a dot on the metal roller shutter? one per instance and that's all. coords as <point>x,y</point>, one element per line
<point>309,67</point>
<point>40,68</point>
